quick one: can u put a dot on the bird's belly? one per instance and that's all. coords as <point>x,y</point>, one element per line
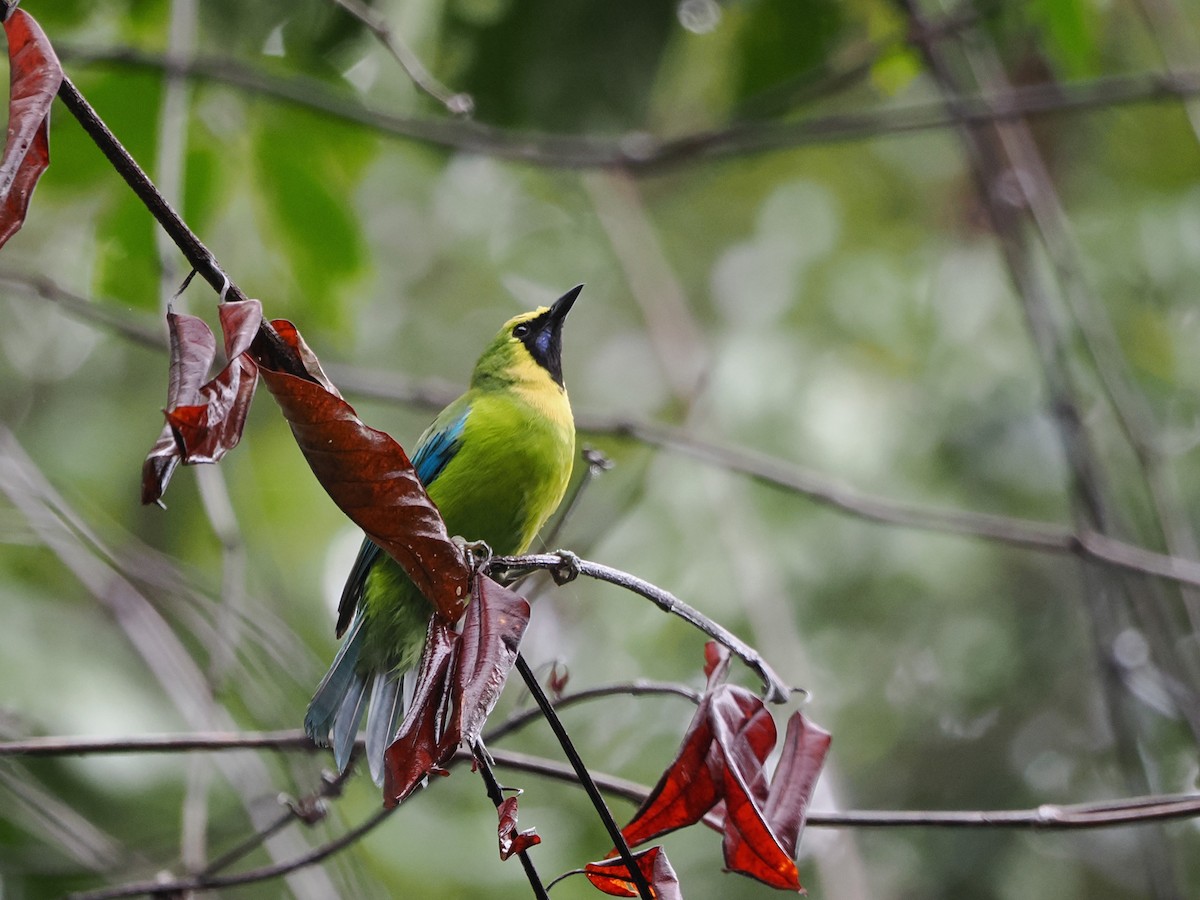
<point>502,494</point>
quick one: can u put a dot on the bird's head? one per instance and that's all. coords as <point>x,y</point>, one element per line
<point>529,346</point>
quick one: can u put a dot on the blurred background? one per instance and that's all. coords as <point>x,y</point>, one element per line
<point>809,252</point>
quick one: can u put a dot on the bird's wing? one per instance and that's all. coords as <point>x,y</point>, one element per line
<point>435,448</point>
<point>440,442</point>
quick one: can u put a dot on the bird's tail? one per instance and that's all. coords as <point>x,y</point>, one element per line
<point>336,709</point>
<point>387,706</point>
<point>338,703</point>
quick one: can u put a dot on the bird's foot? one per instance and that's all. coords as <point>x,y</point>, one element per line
<point>476,554</point>
<point>568,568</point>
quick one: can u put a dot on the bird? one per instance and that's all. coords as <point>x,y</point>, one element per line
<point>496,462</point>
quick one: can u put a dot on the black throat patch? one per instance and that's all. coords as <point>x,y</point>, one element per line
<point>544,343</point>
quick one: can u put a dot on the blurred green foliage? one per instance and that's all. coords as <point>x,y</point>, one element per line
<point>842,306</point>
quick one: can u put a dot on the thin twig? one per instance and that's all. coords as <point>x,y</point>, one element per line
<point>496,795</point>
<point>562,563</point>
<point>188,742</point>
<point>585,779</point>
<point>458,104</point>
<point>307,809</point>
<point>192,248</point>
<point>646,153</point>
<point>1029,534</point>
<point>1048,816</point>
<point>166,888</point>
<point>519,720</point>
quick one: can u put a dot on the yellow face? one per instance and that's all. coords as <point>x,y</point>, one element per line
<point>513,328</point>
<point>528,349</point>
<point>525,368</point>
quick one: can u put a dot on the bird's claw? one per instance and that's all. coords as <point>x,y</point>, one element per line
<point>568,568</point>
<point>476,554</point>
<point>309,810</point>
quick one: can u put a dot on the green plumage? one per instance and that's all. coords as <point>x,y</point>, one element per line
<point>496,462</point>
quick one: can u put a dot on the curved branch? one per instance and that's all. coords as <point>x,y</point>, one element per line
<point>645,153</point>
<point>565,566</point>
<point>1048,816</point>
<point>181,886</point>
<point>1028,534</point>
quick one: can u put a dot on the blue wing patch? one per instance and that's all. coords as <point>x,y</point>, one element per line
<point>438,448</point>
<point>356,583</point>
<point>434,452</point>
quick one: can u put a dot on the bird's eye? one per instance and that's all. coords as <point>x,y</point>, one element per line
<point>521,330</point>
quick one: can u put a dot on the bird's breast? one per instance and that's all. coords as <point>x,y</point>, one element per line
<point>511,471</point>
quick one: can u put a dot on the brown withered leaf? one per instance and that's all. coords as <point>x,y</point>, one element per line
<point>291,337</point>
<point>34,79</point>
<point>612,877</point>
<point>491,637</point>
<point>805,746</point>
<point>369,476</point>
<point>426,737</point>
<point>718,777</point>
<point>511,840</point>
<point>460,678</point>
<point>205,419</point>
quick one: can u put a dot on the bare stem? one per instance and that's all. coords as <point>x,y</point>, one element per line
<point>1048,816</point>
<point>644,153</point>
<point>584,778</point>
<point>496,795</point>
<point>776,689</point>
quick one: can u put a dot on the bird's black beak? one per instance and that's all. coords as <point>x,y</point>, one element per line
<point>562,306</point>
<point>545,341</point>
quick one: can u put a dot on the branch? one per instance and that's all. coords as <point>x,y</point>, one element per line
<point>185,742</point>
<point>495,793</point>
<point>584,778</point>
<point>1048,816</point>
<point>433,394</point>
<point>455,103</point>
<point>645,153</point>
<point>192,248</point>
<point>639,688</point>
<point>180,886</point>
<point>565,566</point>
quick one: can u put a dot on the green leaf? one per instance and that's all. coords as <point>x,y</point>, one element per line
<point>126,259</point>
<point>555,65</point>
<point>780,41</point>
<point>1067,26</point>
<point>307,172</point>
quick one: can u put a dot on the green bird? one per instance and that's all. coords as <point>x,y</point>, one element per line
<point>496,462</point>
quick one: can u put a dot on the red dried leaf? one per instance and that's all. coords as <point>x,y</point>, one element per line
<point>511,840</point>
<point>35,76</point>
<point>492,633</point>
<point>240,320</point>
<point>750,846</point>
<point>559,676</point>
<point>204,419</point>
<point>292,337</point>
<point>612,877</point>
<point>718,777</point>
<point>420,748</point>
<point>685,792</point>
<point>805,746</point>
<point>459,681</point>
<point>193,349</point>
<point>716,662</point>
<point>369,476</point>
